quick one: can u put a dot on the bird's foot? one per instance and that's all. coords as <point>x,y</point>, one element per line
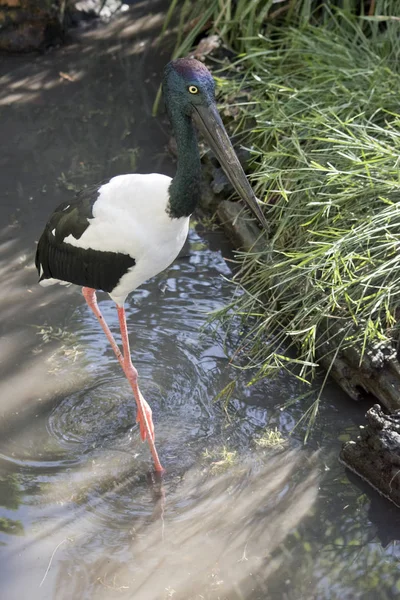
<point>143,409</point>
<point>142,423</point>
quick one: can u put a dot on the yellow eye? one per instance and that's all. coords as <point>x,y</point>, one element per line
<point>193,89</point>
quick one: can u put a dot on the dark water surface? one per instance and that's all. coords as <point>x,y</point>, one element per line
<point>81,516</point>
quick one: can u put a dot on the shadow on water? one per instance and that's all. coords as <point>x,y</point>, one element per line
<point>80,517</point>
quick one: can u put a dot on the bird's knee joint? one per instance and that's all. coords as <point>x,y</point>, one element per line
<point>129,368</point>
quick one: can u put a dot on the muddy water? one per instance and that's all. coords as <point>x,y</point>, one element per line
<point>81,515</point>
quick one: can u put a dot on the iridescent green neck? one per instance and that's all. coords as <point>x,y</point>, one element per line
<point>184,190</point>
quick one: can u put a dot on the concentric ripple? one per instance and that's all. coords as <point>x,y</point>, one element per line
<point>103,415</point>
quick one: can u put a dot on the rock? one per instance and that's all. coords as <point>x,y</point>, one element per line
<point>27,25</point>
<point>375,456</point>
<point>376,371</point>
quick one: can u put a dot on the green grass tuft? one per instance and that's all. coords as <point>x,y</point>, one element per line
<point>325,157</point>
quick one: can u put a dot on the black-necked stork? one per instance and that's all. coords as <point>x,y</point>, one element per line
<point>122,233</point>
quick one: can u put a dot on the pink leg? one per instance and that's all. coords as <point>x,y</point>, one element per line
<point>90,297</point>
<point>144,417</point>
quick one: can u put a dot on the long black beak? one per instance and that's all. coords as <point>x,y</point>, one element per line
<point>209,122</point>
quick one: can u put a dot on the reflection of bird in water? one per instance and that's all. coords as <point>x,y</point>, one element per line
<point>158,493</point>
<point>116,236</point>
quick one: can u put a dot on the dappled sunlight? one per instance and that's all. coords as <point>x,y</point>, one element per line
<point>28,88</point>
<point>26,385</point>
<point>228,525</point>
<point>199,532</point>
<point>20,292</point>
<point>136,30</point>
<point>24,360</point>
<point>131,29</point>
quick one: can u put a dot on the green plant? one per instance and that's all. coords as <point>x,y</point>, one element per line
<point>325,154</point>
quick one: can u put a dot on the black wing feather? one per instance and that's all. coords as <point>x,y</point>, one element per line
<point>86,267</point>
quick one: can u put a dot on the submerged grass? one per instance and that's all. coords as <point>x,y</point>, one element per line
<point>320,118</point>
<point>220,460</point>
<point>271,438</point>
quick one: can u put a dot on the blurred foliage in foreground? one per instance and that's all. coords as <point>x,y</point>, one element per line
<point>316,104</point>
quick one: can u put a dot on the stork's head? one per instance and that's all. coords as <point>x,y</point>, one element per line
<point>188,89</point>
<point>187,84</point>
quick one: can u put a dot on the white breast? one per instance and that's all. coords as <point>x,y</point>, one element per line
<point>129,217</point>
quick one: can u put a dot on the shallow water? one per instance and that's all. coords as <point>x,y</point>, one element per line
<point>81,515</point>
